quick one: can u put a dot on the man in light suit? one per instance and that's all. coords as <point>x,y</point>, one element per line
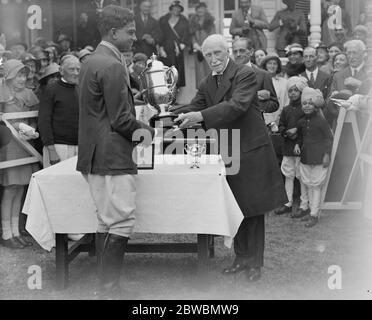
<point>267,100</point>
<point>106,126</point>
<point>249,21</point>
<point>227,99</point>
<point>317,79</point>
<point>355,79</point>
<point>147,30</point>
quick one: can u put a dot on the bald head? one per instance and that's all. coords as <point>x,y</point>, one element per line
<point>216,52</point>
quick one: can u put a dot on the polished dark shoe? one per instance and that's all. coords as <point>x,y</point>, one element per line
<point>235,268</point>
<point>24,241</point>
<point>112,261</point>
<point>12,243</point>
<point>253,274</point>
<point>312,222</point>
<point>282,210</point>
<point>300,213</point>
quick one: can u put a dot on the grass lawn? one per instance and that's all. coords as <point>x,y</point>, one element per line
<point>296,266</point>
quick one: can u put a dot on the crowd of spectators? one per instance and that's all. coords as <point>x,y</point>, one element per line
<point>45,76</point>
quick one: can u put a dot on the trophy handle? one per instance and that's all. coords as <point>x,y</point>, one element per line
<point>171,73</point>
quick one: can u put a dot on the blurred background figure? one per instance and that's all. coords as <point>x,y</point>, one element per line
<point>273,66</point>
<point>295,65</point>
<point>259,56</point>
<point>176,28</point>
<point>147,30</point>
<point>291,23</point>
<point>64,42</point>
<point>201,26</point>
<point>139,64</point>
<point>323,58</point>
<point>336,23</point>
<point>30,62</point>
<point>18,49</point>
<point>59,114</point>
<point>15,179</point>
<point>249,21</point>
<point>83,55</point>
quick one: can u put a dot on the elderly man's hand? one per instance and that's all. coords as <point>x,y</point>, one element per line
<point>189,119</point>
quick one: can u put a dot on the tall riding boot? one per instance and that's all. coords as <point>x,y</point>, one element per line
<point>112,261</point>
<point>100,242</point>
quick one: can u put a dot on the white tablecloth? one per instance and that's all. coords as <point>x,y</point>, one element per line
<point>172,198</point>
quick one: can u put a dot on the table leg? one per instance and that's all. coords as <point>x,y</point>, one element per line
<point>211,246</point>
<point>203,241</point>
<point>92,247</point>
<point>61,261</point>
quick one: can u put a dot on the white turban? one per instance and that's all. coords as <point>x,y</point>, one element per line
<point>299,82</point>
<point>314,95</point>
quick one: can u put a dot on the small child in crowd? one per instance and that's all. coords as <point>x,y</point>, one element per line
<point>288,129</point>
<point>14,179</point>
<point>314,146</point>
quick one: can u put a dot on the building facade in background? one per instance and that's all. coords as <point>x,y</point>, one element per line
<point>26,20</point>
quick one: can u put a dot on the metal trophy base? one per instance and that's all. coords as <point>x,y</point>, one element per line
<point>164,120</point>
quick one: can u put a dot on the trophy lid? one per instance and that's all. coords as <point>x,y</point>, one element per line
<point>154,64</point>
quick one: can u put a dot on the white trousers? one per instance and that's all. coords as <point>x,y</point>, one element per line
<point>313,177</point>
<point>115,200</point>
<point>290,169</point>
<point>64,152</point>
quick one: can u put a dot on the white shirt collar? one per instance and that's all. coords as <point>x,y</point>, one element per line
<point>112,48</point>
<point>249,64</point>
<point>315,73</point>
<point>214,73</point>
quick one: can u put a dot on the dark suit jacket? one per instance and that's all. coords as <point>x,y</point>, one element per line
<point>338,84</point>
<point>107,116</point>
<point>258,186</point>
<point>321,82</point>
<point>264,82</point>
<point>152,28</point>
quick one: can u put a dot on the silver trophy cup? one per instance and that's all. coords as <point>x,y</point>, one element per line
<point>158,87</point>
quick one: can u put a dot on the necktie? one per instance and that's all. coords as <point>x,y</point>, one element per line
<point>353,72</point>
<point>145,20</point>
<point>218,79</point>
<point>311,80</point>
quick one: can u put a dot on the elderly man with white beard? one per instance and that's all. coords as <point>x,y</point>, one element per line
<point>226,101</point>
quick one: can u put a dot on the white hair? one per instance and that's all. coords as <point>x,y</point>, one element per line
<point>68,58</point>
<point>357,43</point>
<point>215,39</point>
